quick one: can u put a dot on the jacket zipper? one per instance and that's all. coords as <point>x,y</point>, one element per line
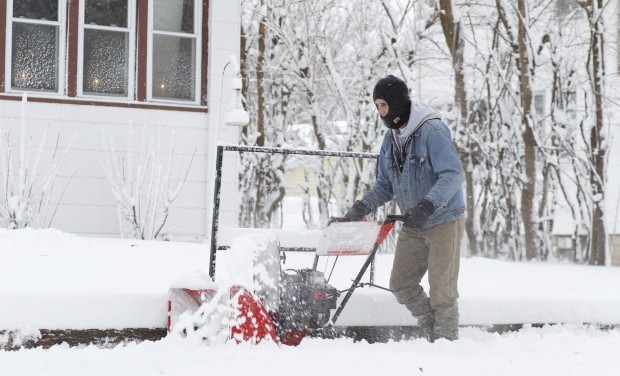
<point>400,155</point>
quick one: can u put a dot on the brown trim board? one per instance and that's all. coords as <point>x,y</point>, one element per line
<point>73,14</point>
<point>87,102</point>
<point>142,19</point>
<point>204,65</point>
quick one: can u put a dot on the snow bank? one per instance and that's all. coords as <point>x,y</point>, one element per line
<point>53,280</point>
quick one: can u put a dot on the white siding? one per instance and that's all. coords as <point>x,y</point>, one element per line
<point>224,38</point>
<point>88,206</point>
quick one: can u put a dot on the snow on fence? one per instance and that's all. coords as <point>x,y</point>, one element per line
<point>290,240</point>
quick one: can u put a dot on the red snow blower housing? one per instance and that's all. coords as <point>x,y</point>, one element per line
<point>302,301</point>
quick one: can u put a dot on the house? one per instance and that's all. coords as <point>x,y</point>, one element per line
<point>91,68</point>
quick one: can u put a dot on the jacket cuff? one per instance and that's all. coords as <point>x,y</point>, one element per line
<point>369,208</point>
<point>432,200</point>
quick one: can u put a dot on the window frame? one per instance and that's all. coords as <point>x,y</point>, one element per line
<point>131,58</point>
<point>198,53</point>
<point>61,53</point>
<point>69,61</point>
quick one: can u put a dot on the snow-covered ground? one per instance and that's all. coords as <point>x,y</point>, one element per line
<point>567,350</point>
<point>54,280</point>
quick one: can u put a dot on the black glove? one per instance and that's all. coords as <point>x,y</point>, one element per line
<point>357,212</point>
<point>417,217</point>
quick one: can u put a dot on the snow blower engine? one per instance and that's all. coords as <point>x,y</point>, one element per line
<point>305,301</point>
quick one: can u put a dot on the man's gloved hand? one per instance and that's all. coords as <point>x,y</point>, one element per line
<point>417,217</point>
<point>357,212</point>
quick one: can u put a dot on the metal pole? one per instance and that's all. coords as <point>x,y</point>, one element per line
<point>258,149</point>
<point>356,281</point>
<point>315,264</point>
<point>216,209</point>
<point>372,271</point>
<point>324,153</point>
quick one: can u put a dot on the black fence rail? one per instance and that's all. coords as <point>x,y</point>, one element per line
<point>257,149</point>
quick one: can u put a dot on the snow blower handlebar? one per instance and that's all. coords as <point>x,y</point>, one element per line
<point>386,227</point>
<point>394,218</point>
<point>391,218</point>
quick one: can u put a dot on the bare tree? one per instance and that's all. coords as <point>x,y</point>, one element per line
<point>26,187</point>
<point>597,147</point>
<point>262,175</point>
<point>452,27</point>
<point>141,183</point>
<point>520,42</point>
<point>320,59</point>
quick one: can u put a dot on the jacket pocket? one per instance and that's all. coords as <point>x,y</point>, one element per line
<point>420,165</point>
<point>422,170</point>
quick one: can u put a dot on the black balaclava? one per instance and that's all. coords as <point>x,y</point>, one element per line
<point>394,91</point>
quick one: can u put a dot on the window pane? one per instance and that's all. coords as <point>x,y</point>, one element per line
<point>36,9</point>
<point>174,67</point>
<point>34,62</point>
<point>539,104</point>
<point>105,62</point>
<point>106,13</point>
<point>174,15</point>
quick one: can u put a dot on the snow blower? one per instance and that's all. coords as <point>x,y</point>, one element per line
<point>286,305</point>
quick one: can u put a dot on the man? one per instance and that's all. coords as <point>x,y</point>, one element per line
<point>419,166</point>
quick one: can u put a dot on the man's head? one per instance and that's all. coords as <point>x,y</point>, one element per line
<point>391,98</point>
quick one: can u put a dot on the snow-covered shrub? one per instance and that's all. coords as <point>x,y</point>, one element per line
<point>25,182</point>
<point>140,182</point>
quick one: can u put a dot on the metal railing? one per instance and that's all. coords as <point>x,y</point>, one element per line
<point>257,149</point>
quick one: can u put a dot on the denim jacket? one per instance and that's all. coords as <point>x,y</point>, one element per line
<point>432,169</point>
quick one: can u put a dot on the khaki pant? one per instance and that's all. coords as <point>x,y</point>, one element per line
<point>437,250</point>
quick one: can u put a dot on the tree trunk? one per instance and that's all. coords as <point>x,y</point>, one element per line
<point>454,39</point>
<point>529,187</point>
<point>244,70</point>
<point>597,145</point>
<point>260,74</point>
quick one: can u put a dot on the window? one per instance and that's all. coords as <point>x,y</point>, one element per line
<point>539,105</point>
<point>568,103</point>
<point>127,50</point>
<point>564,7</point>
<point>107,48</point>
<point>35,50</point>
<point>564,242</point>
<point>173,60</point>
<point>571,105</point>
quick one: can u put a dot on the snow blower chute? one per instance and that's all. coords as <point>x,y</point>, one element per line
<point>298,303</point>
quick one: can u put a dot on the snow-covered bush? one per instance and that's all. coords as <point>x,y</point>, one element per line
<point>141,183</point>
<point>26,185</point>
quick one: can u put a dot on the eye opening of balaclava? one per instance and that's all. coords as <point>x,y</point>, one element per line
<point>394,91</point>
